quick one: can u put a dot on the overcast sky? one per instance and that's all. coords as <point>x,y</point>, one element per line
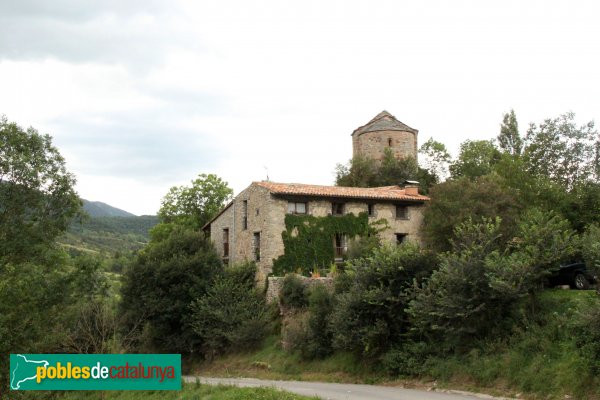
<point>140,96</point>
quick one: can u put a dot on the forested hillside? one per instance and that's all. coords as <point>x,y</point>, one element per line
<point>108,234</point>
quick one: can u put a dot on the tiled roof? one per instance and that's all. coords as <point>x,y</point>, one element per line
<point>377,193</point>
<point>384,121</point>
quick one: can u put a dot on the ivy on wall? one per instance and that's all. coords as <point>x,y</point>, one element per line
<point>309,241</point>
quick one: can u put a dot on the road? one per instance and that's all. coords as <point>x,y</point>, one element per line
<point>341,391</point>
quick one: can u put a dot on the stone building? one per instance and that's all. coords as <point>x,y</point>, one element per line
<point>250,227</point>
<point>385,132</point>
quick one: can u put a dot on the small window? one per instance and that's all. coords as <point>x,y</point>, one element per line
<point>401,212</point>
<point>226,242</point>
<point>296,208</point>
<point>257,211</point>
<point>256,245</point>
<point>245,215</point>
<point>337,208</point>
<point>390,142</point>
<point>371,209</point>
<point>400,238</point>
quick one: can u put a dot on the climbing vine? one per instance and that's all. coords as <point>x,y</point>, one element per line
<point>308,240</point>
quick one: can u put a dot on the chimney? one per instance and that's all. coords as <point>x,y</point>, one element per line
<point>411,188</point>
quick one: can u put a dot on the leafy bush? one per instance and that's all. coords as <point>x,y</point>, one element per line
<point>406,359</point>
<point>590,247</point>
<point>588,338</point>
<point>473,293</point>
<point>369,313</point>
<point>231,316</point>
<point>293,292</point>
<point>309,332</point>
<point>160,285</point>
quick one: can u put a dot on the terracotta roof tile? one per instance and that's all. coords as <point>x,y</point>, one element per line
<point>377,193</point>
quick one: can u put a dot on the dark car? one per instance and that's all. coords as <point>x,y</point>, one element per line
<point>575,275</point>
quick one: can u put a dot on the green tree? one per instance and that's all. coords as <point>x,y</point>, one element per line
<point>37,195</point>
<point>160,285</point>
<point>477,158</point>
<point>436,158</point>
<point>509,138</point>
<point>562,151</point>
<point>37,202</point>
<point>366,172</point>
<point>232,315</point>
<point>455,201</point>
<point>370,315</point>
<point>359,172</point>
<point>193,206</point>
<point>458,304</point>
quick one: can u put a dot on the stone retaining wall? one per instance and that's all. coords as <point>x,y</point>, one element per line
<point>276,282</point>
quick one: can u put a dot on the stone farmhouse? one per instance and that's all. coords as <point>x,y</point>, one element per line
<point>251,227</point>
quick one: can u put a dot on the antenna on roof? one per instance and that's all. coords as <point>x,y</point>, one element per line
<point>266,172</point>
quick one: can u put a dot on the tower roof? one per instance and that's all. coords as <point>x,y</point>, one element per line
<point>384,121</point>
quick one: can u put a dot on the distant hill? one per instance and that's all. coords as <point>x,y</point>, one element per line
<point>100,209</point>
<point>107,230</point>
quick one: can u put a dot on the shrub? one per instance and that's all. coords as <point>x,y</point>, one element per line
<point>369,312</point>
<point>160,285</point>
<point>293,292</point>
<point>231,317</point>
<point>406,359</point>
<point>307,331</point>
<point>590,247</point>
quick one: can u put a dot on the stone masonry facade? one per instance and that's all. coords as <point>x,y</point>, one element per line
<point>250,227</point>
<point>385,132</point>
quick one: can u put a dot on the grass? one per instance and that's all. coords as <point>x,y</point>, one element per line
<point>538,359</point>
<point>193,392</point>
<point>272,362</point>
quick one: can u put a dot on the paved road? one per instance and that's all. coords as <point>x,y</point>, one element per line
<point>340,391</point>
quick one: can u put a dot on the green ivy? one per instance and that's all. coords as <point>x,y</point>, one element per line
<point>308,240</point>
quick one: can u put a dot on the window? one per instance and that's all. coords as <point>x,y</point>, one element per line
<point>226,242</point>
<point>371,209</point>
<point>339,245</point>
<point>390,142</point>
<point>245,215</point>
<point>401,238</point>
<point>337,208</point>
<point>401,212</point>
<point>296,208</point>
<point>257,211</point>
<point>256,245</point>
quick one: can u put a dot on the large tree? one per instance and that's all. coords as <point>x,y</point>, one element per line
<point>366,172</point>
<point>563,151</point>
<point>193,206</point>
<point>476,158</point>
<point>160,286</point>
<point>37,195</point>
<point>455,201</point>
<point>37,202</point>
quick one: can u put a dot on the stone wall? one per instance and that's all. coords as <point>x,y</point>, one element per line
<point>266,215</point>
<point>373,144</point>
<point>276,282</point>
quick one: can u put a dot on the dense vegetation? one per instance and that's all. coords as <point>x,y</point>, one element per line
<point>469,302</point>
